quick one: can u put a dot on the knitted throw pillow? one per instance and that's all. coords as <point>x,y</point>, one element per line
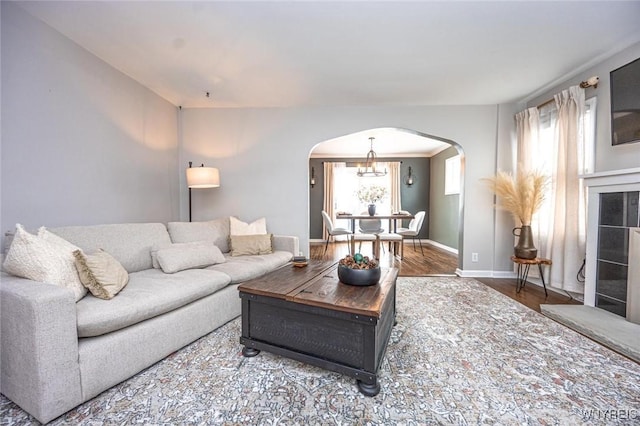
<point>45,258</point>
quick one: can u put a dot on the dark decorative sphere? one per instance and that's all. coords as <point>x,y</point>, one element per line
<point>362,277</point>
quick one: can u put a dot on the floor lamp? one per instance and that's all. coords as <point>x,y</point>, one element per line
<point>201,177</point>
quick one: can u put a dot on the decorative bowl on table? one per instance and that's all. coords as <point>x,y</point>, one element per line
<point>358,270</point>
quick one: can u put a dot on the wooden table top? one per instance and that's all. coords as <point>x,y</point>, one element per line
<point>317,284</point>
<point>376,216</point>
<point>536,261</point>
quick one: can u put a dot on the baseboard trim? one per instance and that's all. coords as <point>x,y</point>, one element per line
<point>467,273</point>
<point>442,246</point>
<point>473,274</point>
<point>504,274</point>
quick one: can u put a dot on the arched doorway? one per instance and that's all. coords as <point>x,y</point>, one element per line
<point>420,154</point>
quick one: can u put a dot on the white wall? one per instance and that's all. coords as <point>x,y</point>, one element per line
<point>82,143</point>
<point>505,161</point>
<point>263,154</point>
<point>607,157</point>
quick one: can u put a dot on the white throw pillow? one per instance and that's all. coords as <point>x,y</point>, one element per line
<point>238,227</point>
<point>45,258</point>
<point>179,257</point>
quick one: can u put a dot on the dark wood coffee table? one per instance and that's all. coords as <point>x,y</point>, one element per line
<point>308,315</point>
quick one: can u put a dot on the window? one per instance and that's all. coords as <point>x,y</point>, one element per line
<point>586,153</point>
<point>345,185</point>
<point>586,150</point>
<point>560,144</point>
<point>452,175</point>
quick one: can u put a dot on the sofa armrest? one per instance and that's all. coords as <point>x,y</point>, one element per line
<point>39,367</point>
<point>286,243</point>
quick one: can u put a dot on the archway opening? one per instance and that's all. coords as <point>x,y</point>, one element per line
<point>425,168</point>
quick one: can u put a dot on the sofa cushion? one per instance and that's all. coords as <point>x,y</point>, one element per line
<point>243,268</point>
<point>129,243</point>
<point>238,227</point>
<point>45,258</point>
<point>101,273</point>
<point>149,293</point>
<point>216,231</point>
<point>244,245</point>
<point>181,256</point>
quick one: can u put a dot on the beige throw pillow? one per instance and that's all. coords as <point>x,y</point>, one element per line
<point>179,257</point>
<point>45,258</point>
<point>238,227</point>
<point>101,273</point>
<point>245,245</point>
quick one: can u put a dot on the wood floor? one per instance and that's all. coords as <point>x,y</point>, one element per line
<point>441,262</point>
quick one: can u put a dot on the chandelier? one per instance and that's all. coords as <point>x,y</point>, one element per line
<point>370,169</point>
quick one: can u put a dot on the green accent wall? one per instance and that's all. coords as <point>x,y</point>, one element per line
<point>444,214</point>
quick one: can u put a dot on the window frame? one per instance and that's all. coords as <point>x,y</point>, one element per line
<point>452,175</point>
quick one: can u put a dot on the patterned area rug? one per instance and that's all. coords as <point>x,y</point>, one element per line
<point>461,353</point>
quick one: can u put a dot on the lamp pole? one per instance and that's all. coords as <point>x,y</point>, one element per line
<point>190,163</point>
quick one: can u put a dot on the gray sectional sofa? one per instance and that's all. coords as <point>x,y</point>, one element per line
<point>56,353</point>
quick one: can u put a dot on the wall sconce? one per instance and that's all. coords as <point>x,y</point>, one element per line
<point>312,182</point>
<point>409,180</point>
<point>201,177</point>
<point>590,82</point>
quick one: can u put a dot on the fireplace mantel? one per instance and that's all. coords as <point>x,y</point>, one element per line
<point>624,180</point>
<point>613,177</point>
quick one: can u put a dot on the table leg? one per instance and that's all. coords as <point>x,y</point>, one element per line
<point>249,352</point>
<point>376,249</point>
<point>353,239</point>
<point>542,278</point>
<point>369,389</point>
<point>523,273</point>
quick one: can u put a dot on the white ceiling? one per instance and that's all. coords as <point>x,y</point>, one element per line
<point>328,53</point>
<point>388,142</point>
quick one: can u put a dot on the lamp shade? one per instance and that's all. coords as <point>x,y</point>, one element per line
<point>203,177</point>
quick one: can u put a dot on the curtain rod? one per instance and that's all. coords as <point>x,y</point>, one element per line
<point>590,82</point>
<point>545,103</point>
<point>356,161</point>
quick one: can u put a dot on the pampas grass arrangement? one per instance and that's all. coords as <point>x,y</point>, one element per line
<point>521,195</point>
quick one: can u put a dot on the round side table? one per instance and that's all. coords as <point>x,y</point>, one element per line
<point>523,270</point>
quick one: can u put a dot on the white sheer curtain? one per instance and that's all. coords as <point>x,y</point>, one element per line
<point>566,230</point>
<point>550,139</point>
<point>527,123</point>
<point>396,178</point>
<point>327,204</point>
<point>332,171</point>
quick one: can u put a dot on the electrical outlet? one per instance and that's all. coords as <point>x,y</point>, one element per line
<point>474,257</point>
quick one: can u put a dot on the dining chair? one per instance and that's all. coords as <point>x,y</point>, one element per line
<point>370,227</point>
<point>333,231</point>
<point>413,230</point>
<point>394,240</point>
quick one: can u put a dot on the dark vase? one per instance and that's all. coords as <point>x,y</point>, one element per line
<point>372,209</point>
<point>525,248</point>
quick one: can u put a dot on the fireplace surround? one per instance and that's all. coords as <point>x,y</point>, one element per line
<point>613,250</point>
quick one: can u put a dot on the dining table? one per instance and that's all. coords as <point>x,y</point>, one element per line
<point>392,217</point>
